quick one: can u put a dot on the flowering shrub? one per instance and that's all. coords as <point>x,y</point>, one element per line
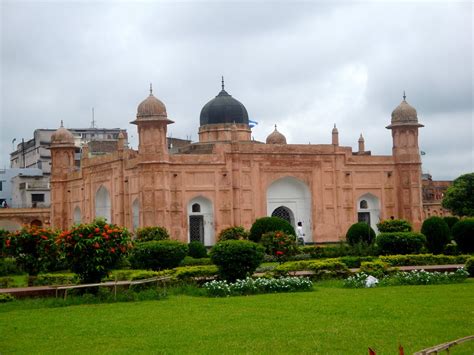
<point>415,277</point>
<point>33,249</point>
<point>249,286</point>
<point>92,250</point>
<point>269,224</point>
<point>233,233</point>
<point>146,234</point>
<point>280,245</point>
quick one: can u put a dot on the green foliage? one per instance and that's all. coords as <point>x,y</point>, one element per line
<point>451,249</point>
<point>463,234</point>
<point>469,267</point>
<point>459,197</point>
<point>343,249</point>
<point>6,282</point>
<point>190,261</point>
<point>92,250</point>
<point>56,279</point>
<point>330,268</point>
<point>269,224</point>
<point>423,259</point>
<point>355,261</point>
<point>237,259</point>
<point>197,250</point>
<point>437,234</point>
<point>158,255</point>
<point>400,242</point>
<point>233,233</point>
<point>191,272</point>
<point>6,297</point>
<point>8,266</point>
<point>130,275</point>
<point>3,237</point>
<point>394,225</point>
<point>376,268</point>
<point>147,234</point>
<point>360,232</point>
<point>33,248</point>
<point>451,221</point>
<point>280,245</point>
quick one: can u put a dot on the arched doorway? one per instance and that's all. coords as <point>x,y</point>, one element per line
<point>135,214</point>
<point>368,210</point>
<point>36,223</point>
<point>201,221</point>
<point>77,215</point>
<point>290,199</point>
<point>102,204</point>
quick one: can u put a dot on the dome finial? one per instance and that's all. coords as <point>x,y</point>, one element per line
<point>275,127</point>
<point>222,81</point>
<point>151,89</point>
<point>404,96</point>
<point>62,123</point>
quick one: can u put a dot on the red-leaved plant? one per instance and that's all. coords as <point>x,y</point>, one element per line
<point>280,245</point>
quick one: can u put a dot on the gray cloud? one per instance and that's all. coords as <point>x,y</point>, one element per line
<point>303,66</point>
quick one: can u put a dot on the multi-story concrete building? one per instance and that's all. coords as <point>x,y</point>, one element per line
<point>23,188</point>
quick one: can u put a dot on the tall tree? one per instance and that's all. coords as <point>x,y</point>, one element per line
<point>459,197</point>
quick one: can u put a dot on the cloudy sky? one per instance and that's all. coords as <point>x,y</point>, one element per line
<point>301,65</point>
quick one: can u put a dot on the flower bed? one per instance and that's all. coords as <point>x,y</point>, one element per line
<point>251,286</point>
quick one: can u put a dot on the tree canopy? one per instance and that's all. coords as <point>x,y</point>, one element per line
<point>459,197</point>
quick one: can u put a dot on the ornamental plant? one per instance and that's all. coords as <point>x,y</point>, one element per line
<point>3,237</point>
<point>394,225</point>
<point>147,234</point>
<point>463,233</point>
<point>92,250</point>
<point>437,234</point>
<point>158,254</point>
<point>269,224</point>
<point>233,233</point>
<point>33,249</point>
<point>400,243</point>
<point>280,245</point>
<point>197,250</point>
<point>360,232</point>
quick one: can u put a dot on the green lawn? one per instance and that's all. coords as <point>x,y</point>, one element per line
<point>328,320</point>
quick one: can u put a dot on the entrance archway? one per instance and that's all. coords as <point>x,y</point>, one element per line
<point>201,221</point>
<point>290,199</point>
<point>102,204</point>
<point>77,215</point>
<point>368,210</point>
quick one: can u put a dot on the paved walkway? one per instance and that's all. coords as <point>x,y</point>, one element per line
<point>42,291</point>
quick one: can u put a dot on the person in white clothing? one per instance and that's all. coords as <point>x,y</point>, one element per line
<point>300,233</point>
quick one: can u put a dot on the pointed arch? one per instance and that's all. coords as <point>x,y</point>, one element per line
<point>291,197</point>
<point>368,210</point>
<point>77,215</point>
<point>135,214</point>
<point>201,220</point>
<point>103,207</point>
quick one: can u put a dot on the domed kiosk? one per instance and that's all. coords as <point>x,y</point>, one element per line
<point>276,137</point>
<point>223,119</point>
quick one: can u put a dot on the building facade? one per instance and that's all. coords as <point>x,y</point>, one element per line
<point>433,194</point>
<point>227,179</point>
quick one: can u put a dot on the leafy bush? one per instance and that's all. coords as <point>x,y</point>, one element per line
<point>423,259</point>
<point>360,232</point>
<point>343,249</point>
<point>197,250</point>
<point>437,234</point>
<point>236,259</point>
<point>130,275</point>
<point>92,250</point>
<point>6,282</point>
<point>463,233</point>
<point>400,242</point>
<point>33,248</point>
<point>190,261</point>
<point>394,225</point>
<point>6,297</point>
<point>147,234</point>
<point>330,268</point>
<point>56,279</point>
<point>451,221</point>
<point>451,249</point>
<point>251,286</point>
<point>3,237</point>
<point>269,224</point>
<point>233,233</point>
<point>158,255</point>
<point>376,268</point>
<point>280,245</point>
<point>191,272</point>
<point>355,261</point>
<point>8,266</point>
<point>469,267</point>
<point>459,197</point>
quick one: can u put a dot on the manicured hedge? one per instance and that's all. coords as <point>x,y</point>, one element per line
<point>360,232</point>
<point>269,224</point>
<point>376,268</point>
<point>437,234</point>
<point>147,234</point>
<point>158,255</point>
<point>423,259</point>
<point>56,279</point>
<point>400,242</point>
<point>190,261</point>
<point>190,272</point>
<point>463,233</point>
<point>394,225</point>
<point>329,268</point>
<point>197,250</point>
<point>469,267</point>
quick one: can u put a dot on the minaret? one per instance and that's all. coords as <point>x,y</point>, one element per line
<point>335,136</point>
<point>152,121</point>
<point>361,144</point>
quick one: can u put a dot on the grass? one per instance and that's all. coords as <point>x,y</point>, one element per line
<point>329,320</point>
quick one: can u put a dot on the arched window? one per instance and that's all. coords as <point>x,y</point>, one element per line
<point>201,220</point>
<point>102,204</point>
<point>135,214</point>
<point>363,204</point>
<point>283,213</point>
<point>196,208</point>
<point>77,215</point>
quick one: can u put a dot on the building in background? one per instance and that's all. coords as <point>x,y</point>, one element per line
<point>433,194</point>
<point>21,188</point>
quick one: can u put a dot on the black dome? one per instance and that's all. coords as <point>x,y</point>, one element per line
<point>224,109</point>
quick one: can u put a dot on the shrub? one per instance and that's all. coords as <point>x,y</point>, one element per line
<point>8,266</point>
<point>190,261</point>
<point>375,268</point>
<point>92,250</point>
<point>130,275</point>
<point>394,225</point>
<point>6,297</point>
<point>158,255</point>
<point>423,259</point>
<point>360,232</point>
<point>236,259</point>
<point>3,237</point>
<point>463,233</point>
<point>191,272</point>
<point>469,267</point>
<point>451,221</point>
<point>197,250</point>
<point>437,234</point>
<point>147,234</point>
<point>451,249</point>
<point>280,245</point>
<point>233,233</point>
<point>269,224</point>
<point>355,261</point>
<point>422,277</point>
<point>330,268</point>
<point>33,248</point>
<point>400,242</point>
<point>6,282</point>
<point>56,279</point>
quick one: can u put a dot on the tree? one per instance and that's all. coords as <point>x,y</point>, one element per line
<point>459,197</point>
